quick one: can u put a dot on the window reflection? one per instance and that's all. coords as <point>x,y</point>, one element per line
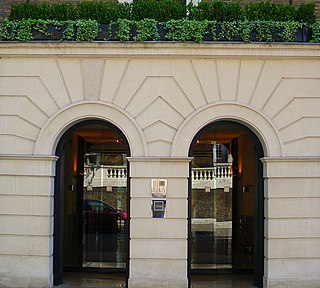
<point>221,212</point>
<point>104,211</point>
<point>94,169</point>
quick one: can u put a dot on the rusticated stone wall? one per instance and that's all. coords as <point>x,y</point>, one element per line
<point>160,95</point>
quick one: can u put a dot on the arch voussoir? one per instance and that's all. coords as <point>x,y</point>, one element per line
<point>251,118</point>
<point>63,119</point>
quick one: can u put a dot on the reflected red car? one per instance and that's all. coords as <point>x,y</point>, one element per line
<point>100,217</point>
<point>103,207</point>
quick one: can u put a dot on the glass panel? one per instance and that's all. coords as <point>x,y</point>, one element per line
<point>222,199</point>
<point>211,205</point>
<point>94,185</point>
<point>104,210</point>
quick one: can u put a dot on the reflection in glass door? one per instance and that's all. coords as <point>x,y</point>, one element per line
<point>92,200</point>
<point>222,200</point>
<point>212,204</point>
<point>104,211</point>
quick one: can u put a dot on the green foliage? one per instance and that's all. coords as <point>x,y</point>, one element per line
<point>199,12</point>
<point>232,12</point>
<point>315,28</point>
<point>24,30</point>
<point>147,30</point>
<point>270,11</point>
<point>57,11</point>
<point>16,30</point>
<point>246,28</point>
<point>186,30</point>
<point>218,10</point>
<point>28,10</point>
<point>160,10</point>
<point>124,30</point>
<point>229,31</point>
<point>123,11</point>
<point>104,12</point>
<point>215,11</point>
<point>69,32</point>
<point>267,11</point>
<point>265,30</point>
<point>289,31</point>
<point>165,10</point>
<point>222,11</point>
<point>41,26</point>
<point>307,13</point>
<point>96,10</point>
<point>87,30</point>
<point>63,12</point>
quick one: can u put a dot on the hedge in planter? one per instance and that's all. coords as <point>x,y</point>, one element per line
<point>103,12</point>
<point>165,10</point>
<point>152,30</point>
<point>57,11</point>
<point>28,30</point>
<point>162,11</point>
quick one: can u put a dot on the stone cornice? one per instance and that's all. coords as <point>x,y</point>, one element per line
<point>159,49</point>
<point>160,159</point>
<point>29,157</point>
<point>291,159</point>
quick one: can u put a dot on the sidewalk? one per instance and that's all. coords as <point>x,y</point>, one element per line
<point>87,280</point>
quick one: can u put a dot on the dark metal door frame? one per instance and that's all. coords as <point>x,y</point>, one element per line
<point>258,270</point>
<point>59,204</point>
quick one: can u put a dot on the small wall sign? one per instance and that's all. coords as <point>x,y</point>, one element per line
<point>158,208</point>
<point>159,188</point>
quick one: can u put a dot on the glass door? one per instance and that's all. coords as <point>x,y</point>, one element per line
<point>211,207</point>
<point>104,211</point>
<point>222,199</point>
<point>91,203</point>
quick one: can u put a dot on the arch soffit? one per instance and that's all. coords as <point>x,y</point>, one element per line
<point>246,115</point>
<point>62,120</point>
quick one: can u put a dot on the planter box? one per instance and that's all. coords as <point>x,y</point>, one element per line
<point>109,32</point>
<point>54,33</point>
<point>306,34</point>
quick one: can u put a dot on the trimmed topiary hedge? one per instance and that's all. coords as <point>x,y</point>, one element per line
<point>216,11</point>
<point>165,10</point>
<point>162,20</point>
<point>57,11</point>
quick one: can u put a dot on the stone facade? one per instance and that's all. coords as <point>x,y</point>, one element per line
<point>160,95</point>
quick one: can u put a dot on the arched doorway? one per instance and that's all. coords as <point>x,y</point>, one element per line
<point>91,202</point>
<point>226,212</point>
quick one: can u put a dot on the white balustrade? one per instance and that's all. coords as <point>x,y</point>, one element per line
<point>114,171</point>
<point>218,176</point>
<point>105,175</point>
<point>221,170</point>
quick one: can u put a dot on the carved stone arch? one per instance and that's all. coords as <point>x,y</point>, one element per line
<point>63,119</point>
<point>251,118</point>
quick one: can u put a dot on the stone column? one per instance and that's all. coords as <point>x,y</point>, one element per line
<point>292,227</point>
<point>158,246</point>
<point>26,211</point>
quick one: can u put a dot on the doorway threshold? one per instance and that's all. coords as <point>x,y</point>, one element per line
<point>222,281</point>
<point>92,280</point>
